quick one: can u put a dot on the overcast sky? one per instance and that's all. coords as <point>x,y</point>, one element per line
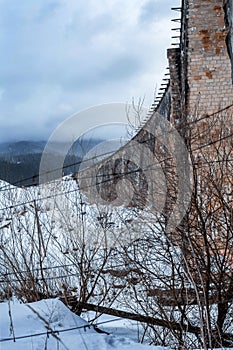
<point>62,56</point>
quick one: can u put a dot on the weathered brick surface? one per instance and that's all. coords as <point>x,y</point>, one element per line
<point>208,62</point>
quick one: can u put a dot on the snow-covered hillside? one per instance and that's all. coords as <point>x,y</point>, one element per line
<point>54,244</point>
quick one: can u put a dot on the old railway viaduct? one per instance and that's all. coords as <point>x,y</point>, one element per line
<point>196,94</point>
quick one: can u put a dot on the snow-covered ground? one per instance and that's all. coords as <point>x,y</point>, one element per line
<point>50,325</point>
<point>44,231</point>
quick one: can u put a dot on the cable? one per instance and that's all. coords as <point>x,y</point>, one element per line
<point>41,278</point>
<point>39,269</point>
<point>53,277</point>
<point>213,142</point>
<point>207,116</point>
<point>6,187</point>
<point>102,182</point>
<point>75,190</point>
<point>56,169</point>
<point>108,153</point>
<point>51,332</point>
<point>47,333</point>
<point>107,180</point>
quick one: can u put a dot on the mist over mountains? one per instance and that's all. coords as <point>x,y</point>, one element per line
<point>20,161</point>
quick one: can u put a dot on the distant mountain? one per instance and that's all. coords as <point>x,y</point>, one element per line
<point>20,161</point>
<point>9,149</point>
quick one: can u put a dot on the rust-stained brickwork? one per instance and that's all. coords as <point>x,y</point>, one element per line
<point>208,63</point>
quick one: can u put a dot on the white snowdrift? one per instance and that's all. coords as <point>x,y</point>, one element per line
<point>50,325</point>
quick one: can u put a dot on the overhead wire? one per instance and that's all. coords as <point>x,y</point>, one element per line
<point>111,178</point>
<point>51,332</point>
<point>106,180</point>
<point>111,152</point>
<point>52,277</point>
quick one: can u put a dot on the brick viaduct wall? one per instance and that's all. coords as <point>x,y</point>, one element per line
<point>200,83</point>
<point>201,76</point>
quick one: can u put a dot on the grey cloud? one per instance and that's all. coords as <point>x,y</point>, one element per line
<point>48,60</point>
